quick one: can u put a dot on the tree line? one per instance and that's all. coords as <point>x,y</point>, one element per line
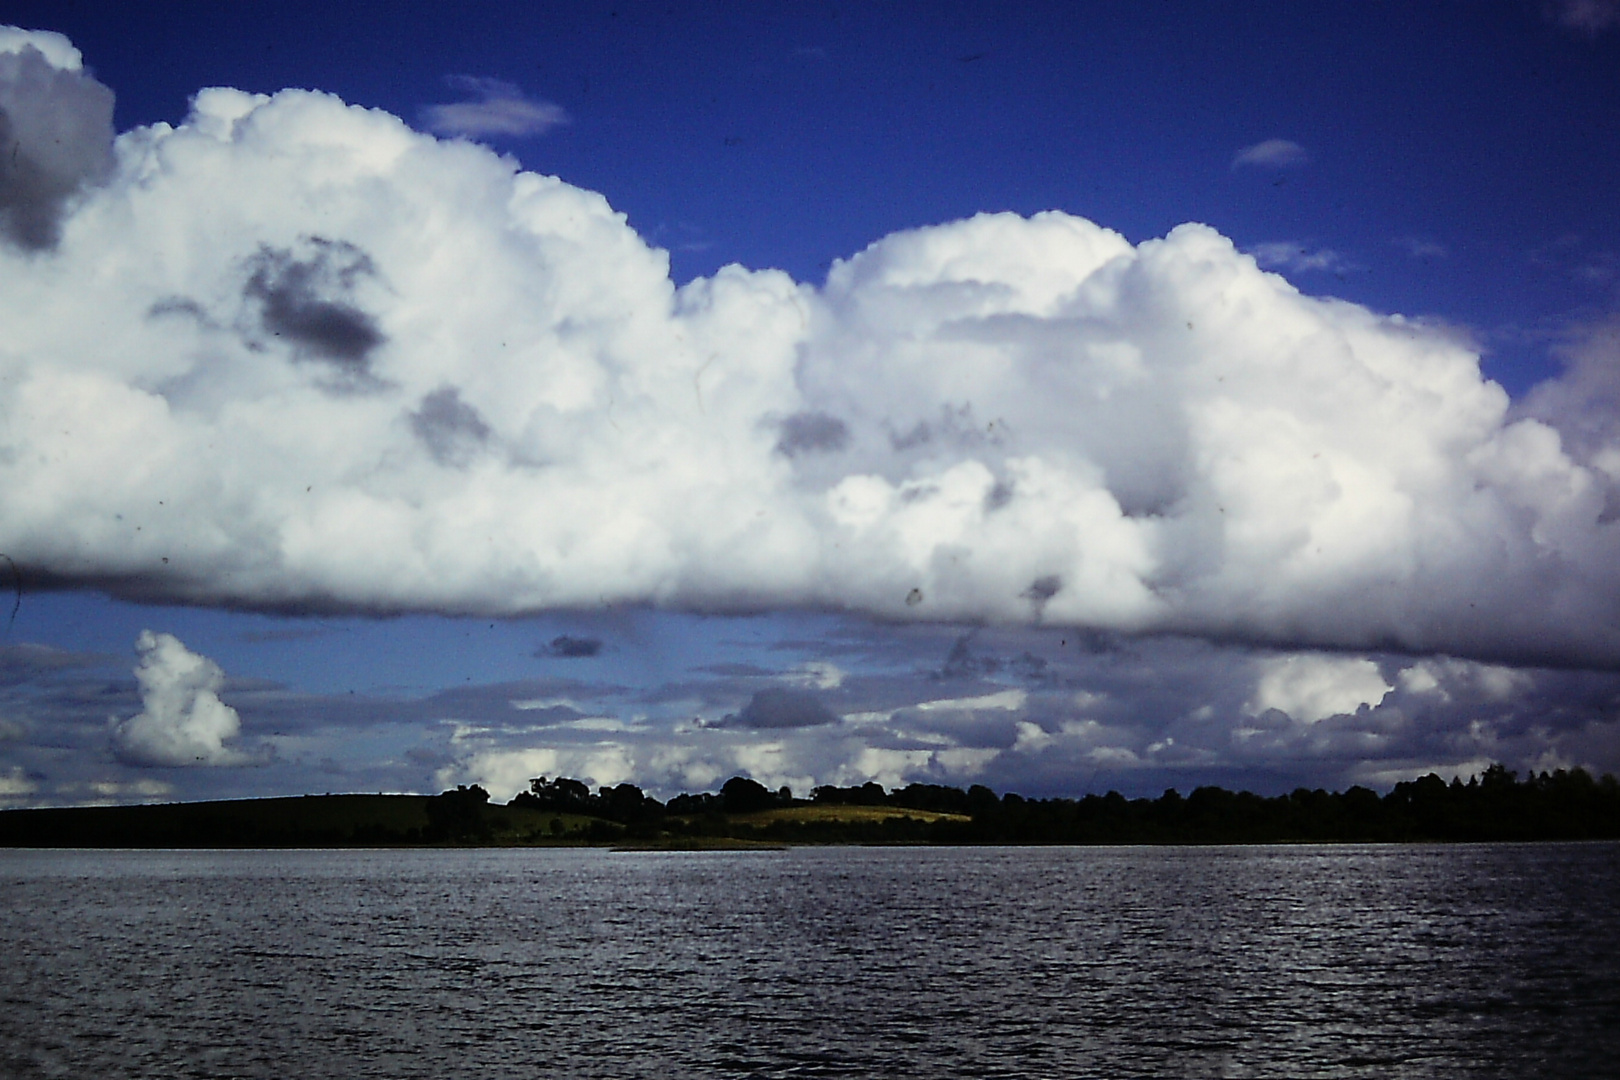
<point>1495,806</point>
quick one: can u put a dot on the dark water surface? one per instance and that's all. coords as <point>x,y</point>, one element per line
<point>1493,960</point>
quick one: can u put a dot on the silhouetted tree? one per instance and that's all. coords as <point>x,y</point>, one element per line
<point>695,805</point>
<point>741,795</point>
<point>459,814</point>
<point>564,794</point>
<point>628,804</point>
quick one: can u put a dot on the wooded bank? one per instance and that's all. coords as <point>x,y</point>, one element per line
<point>1497,806</point>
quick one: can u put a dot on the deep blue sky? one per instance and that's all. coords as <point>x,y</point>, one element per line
<point>1460,166</point>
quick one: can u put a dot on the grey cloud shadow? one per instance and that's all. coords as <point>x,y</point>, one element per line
<point>811,433</point>
<point>569,647</point>
<point>305,297</point>
<point>452,430</point>
<point>776,708</point>
<point>56,136</point>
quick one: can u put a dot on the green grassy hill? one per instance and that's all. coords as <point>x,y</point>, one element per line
<point>842,815</point>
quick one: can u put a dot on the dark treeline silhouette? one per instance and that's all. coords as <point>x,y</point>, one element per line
<point>628,805</point>
<point>301,821</point>
<point>458,815</point>
<point>976,800</point>
<point>1562,805</point>
<point>739,795</point>
<point>624,803</point>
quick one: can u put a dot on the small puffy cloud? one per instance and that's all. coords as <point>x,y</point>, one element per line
<point>497,108</point>
<point>182,721</point>
<point>56,134</point>
<point>1311,687</point>
<point>16,785</point>
<point>1449,681</point>
<point>1588,17</point>
<point>1032,738</point>
<point>1420,679</point>
<point>1272,154</point>
<point>1288,255</point>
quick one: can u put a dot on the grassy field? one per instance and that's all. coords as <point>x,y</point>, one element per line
<point>516,825</point>
<point>842,815</point>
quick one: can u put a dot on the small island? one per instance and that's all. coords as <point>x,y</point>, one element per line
<point>1498,806</point>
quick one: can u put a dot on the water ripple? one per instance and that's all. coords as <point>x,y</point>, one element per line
<point>1476,961</point>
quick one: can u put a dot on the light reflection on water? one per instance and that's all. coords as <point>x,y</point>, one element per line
<point>1490,960</point>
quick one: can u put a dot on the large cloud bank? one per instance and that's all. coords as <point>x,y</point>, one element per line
<point>1015,709</point>
<point>293,354</point>
<point>1031,710</point>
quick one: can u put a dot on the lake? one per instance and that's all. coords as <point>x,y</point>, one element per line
<point>1290,961</point>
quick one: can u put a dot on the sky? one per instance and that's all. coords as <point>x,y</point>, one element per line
<point>1068,398</point>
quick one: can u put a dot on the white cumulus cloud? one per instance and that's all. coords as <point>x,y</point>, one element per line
<point>1310,687</point>
<point>55,48</point>
<point>293,355</point>
<point>182,721</point>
